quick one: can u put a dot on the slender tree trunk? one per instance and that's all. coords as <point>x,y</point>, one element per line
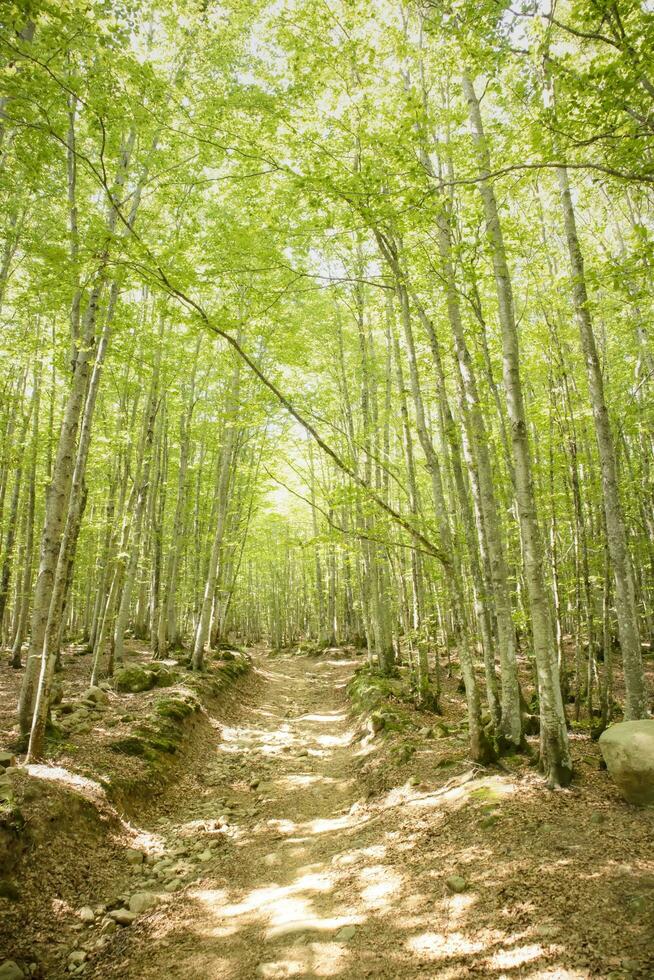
<point>555,751</point>
<point>625,600</point>
<point>222,489</point>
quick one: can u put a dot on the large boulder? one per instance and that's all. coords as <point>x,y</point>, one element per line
<point>628,750</point>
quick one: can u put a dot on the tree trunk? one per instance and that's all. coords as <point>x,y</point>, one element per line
<point>555,751</point>
<point>625,600</point>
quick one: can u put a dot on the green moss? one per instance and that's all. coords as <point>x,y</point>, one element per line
<point>137,677</point>
<point>175,708</point>
<point>9,891</point>
<point>162,743</point>
<point>235,666</point>
<point>164,676</point>
<point>134,679</point>
<point>485,793</point>
<point>403,752</point>
<point>131,745</point>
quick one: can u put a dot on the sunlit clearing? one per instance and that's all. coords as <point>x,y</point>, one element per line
<point>516,957</point>
<point>436,945</point>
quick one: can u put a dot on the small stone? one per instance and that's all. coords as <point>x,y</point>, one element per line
<point>87,915</point>
<point>345,934</point>
<point>414,781</point>
<point>456,883</point>
<point>11,971</point>
<point>76,957</point>
<point>141,902</point>
<point>303,752</point>
<point>123,917</point>
<point>134,856</point>
<point>172,886</point>
<point>205,855</point>
<point>597,817</point>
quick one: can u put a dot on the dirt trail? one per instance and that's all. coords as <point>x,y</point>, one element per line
<point>269,904</point>
<point>306,879</point>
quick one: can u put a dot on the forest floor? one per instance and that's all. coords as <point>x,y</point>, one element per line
<point>294,845</point>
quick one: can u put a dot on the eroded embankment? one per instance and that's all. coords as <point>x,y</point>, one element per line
<point>67,826</point>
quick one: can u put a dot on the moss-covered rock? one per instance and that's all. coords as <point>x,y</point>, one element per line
<point>225,655</point>
<point>139,677</point>
<point>165,676</point>
<point>96,695</point>
<point>175,707</point>
<point>403,752</point>
<point>368,689</point>
<point>134,679</point>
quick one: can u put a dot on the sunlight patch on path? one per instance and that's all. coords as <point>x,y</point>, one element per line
<point>57,774</point>
<point>438,945</point>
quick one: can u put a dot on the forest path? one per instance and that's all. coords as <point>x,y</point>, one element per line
<point>280,869</point>
<point>278,900</point>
